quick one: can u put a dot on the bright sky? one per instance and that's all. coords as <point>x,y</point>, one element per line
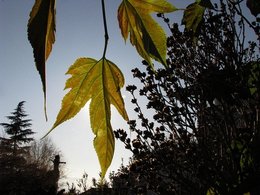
<point>79,34</point>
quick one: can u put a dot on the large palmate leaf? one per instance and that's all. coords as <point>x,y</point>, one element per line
<point>99,81</point>
<point>41,34</point>
<point>145,33</point>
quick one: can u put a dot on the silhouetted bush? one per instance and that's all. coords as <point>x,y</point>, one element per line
<point>203,135</point>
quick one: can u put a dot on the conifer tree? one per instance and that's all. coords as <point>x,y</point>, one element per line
<point>14,149</point>
<point>18,130</point>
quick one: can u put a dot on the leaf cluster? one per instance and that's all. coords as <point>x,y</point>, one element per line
<point>99,80</point>
<point>145,34</point>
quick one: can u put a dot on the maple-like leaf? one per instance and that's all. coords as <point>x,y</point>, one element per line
<point>41,34</point>
<point>99,81</point>
<point>193,15</point>
<point>146,35</point>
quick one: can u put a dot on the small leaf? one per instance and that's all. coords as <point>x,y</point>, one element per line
<point>193,15</point>
<point>210,191</point>
<point>99,81</point>
<point>253,79</point>
<point>145,33</point>
<point>41,34</point>
<point>254,6</point>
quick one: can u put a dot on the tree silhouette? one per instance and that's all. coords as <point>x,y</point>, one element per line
<point>26,166</point>
<point>203,136</point>
<point>41,152</point>
<point>18,129</point>
<point>14,148</point>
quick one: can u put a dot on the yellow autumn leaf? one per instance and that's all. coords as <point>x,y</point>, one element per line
<point>146,35</point>
<point>41,34</point>
<point>99,81</point>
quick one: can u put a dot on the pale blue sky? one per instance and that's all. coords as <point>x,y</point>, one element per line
<point>79,34</point>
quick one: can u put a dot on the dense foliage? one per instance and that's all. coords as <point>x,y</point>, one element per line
<point>204,136</point>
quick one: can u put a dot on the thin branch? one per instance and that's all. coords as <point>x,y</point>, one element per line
<point>105,27</point>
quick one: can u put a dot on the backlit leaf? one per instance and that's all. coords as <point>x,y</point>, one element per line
<point>193,15</point>
<point>145,33</point>
<point>99,81</point>
<point>41,34</point>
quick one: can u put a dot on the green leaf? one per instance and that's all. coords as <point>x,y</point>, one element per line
<point>99,81</point>
<point>193,15</point>
<point>254,6</point>
<point>253,79</point>
<point>210,191</point>
<point>41,34</point>
<point>145,33</point>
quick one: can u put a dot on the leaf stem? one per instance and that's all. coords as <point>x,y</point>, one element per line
<point>105,28</point>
